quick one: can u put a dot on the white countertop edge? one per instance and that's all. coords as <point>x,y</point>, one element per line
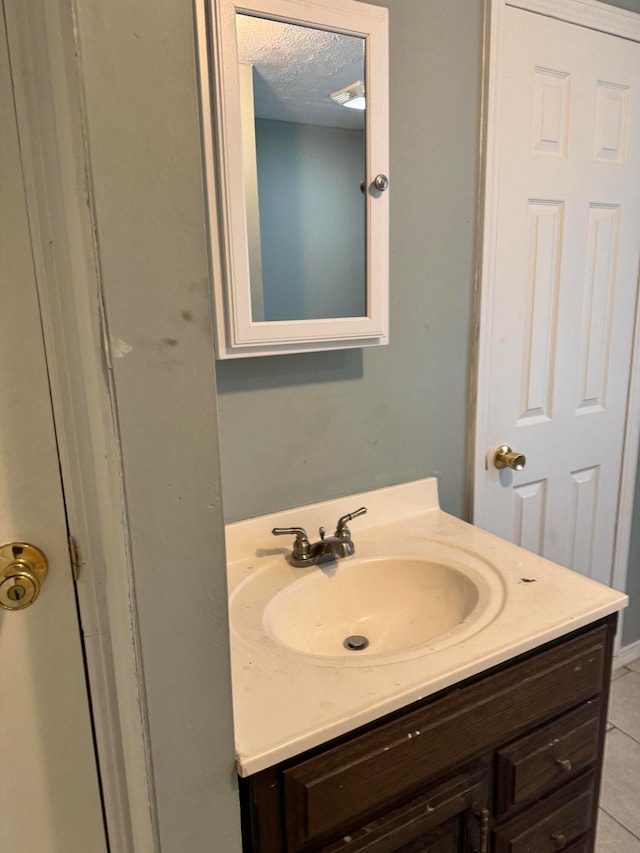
<point>248,765</point>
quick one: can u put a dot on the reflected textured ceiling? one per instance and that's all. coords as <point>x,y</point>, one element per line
<point>296,68</point>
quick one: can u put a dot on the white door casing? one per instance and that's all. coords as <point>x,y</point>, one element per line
<point>559,283</point>
<point>49,792</point>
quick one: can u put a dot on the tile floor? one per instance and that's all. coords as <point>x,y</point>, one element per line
<point>619,821</point>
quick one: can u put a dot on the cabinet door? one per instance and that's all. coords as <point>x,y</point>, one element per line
<point>446,819</point>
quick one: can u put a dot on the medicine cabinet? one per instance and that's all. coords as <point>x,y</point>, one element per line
<point>295,120</point>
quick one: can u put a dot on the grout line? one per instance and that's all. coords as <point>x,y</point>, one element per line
<point>618,673</point>
<point>626,734</point>
<point>619,822</point>
<point>623,676</point>
<point>617,727</point>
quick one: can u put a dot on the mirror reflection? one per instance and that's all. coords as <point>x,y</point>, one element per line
<point>303,125</point>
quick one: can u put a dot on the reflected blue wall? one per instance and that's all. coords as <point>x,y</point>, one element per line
<point>312,223</point>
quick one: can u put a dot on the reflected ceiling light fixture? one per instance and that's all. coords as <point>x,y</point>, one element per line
<point>351,96</point>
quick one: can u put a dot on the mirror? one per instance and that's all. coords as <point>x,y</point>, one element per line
<point>293,149</point>
<point>304,164</point>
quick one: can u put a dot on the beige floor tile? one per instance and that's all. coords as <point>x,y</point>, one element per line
<point>624,705</point>
<point>619,672</point>
<point>611,837</point>
<point>635,665</point>
<point>621,780</point>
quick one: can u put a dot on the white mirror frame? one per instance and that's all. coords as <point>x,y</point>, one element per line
<point>237,335</point>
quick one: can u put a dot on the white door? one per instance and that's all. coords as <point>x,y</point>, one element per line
<point>561,287</point>
<point>49,794</point>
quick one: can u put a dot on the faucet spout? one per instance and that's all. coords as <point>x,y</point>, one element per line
<point>334,546</point>
<point>307,553</point>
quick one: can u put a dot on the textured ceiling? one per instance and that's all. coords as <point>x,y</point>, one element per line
<point>296,68</point>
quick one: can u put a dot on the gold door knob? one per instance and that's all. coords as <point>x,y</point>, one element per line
<point>505,457</point>
<point>23,569</point>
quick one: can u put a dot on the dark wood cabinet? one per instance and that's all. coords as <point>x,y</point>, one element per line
<point>552,824</point>
<point>531,765</point>
<point>507,762</point>
<point>449,817</point>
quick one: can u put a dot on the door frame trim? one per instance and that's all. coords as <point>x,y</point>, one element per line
<point>604,18</point>
<point>587,13</point>
<point>53,149</point>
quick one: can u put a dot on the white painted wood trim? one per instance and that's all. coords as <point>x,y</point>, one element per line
<point>586,13</point>
<point>488,217</point>
<point>479,315</point>
<point>236,334</point>
<point>49,112</point>
<point>617,22</point>
<point>627,655</point>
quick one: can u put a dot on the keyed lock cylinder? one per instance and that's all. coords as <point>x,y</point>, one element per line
<point>23,569</point>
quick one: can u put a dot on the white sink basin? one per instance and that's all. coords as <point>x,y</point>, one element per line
<point>294,684</point>
<point>402,606</point>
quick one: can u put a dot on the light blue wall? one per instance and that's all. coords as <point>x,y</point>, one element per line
<point>312,222</point>
<point>303,428</point>
<point>297,429</point>
<point>137,67</point>
<point>631,5</point>
<point>631,631</point>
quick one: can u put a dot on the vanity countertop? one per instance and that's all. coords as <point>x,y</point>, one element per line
<point>286,702</point>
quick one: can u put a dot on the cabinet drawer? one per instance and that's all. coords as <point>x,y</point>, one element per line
<point>582,846</point>
<point>438,820</point>
<point>533,765</point>
<point>384,766</point>
<point>553,824</point>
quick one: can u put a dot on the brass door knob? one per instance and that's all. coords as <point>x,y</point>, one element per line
<point>23,569</point>
<point>505,457</point>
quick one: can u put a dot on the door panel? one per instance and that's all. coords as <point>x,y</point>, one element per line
<point>49,795</point>
<point>564,286</point>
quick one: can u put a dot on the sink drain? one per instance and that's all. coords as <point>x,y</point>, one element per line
<point>356,643</point>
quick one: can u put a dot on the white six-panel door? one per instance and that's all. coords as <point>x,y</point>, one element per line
<point>560,289</point>
<point>49,793</point>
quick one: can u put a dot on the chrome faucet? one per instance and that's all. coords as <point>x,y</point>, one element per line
<point>305,553</point>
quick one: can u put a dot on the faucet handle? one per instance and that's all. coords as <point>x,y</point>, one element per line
<point>341,527</point>
<point>301,547</point>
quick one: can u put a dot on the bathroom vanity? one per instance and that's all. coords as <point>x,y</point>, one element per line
<point>509,761</point>
<point>485,737</point>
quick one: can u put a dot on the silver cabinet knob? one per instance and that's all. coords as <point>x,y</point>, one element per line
<point>381,183</point>
<point>505,457</point>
